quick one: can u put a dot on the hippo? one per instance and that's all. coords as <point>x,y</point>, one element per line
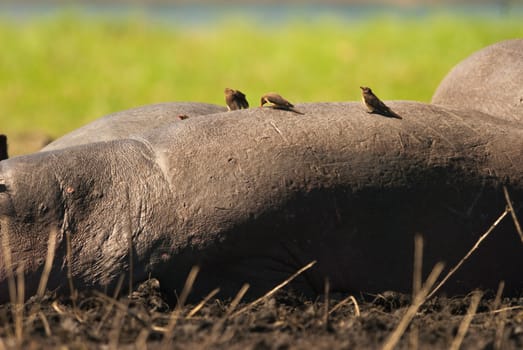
<point>252,195</point>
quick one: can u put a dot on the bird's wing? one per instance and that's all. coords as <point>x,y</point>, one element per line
<point>244,103</point>
<point>239,94</point>
<point>280,101</point>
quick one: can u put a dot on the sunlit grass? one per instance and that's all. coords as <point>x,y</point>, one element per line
<point>61,72</point>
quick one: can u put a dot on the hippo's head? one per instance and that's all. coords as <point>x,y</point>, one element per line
<point>79,190</point>
<point>31,206</point>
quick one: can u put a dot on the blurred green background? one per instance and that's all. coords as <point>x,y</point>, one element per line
<point>65,67</point>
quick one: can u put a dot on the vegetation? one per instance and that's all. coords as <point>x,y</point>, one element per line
<point>62,71</point>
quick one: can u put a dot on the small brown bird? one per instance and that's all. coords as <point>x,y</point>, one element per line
<point>375,105</point>
<point>182,116</point>
<point>3,147</point>
<point>235,99</point>
<point>278,102</point>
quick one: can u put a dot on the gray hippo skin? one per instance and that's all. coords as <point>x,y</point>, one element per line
<point>133,121</point>
<point>489,81</point>
<point>253,195</point>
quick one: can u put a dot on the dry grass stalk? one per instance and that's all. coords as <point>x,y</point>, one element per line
<point>120,306</point>
<point>118,287</point>
<point>420,298</point>
<point>345,301</point>
<point>495,303</point>
<point>203,302</point>
<point>326,302</point>
<point>44,278</point>
<point>275,289</point>
<point>6,251</point>
<point>500,331</point>
<point>51,246</point>
<point>45,323</point>
<point>19,306</point>
<point>469,253</point>
<point>56,307</point>
<point>234,303</point>
<point>114,333</point>
<point>465,323</point>
<point>130,243</point>
<point>418,264</point>
<point>499,293</point>
<point>513,213</point>
<point>508,308</point>
<point>72,290</point>
<point>112,302</point>
<point>141,340</point>
<point>173,319</point>
<point>11,283</point>
<point>414,338</point>
<point>416,285</point>
<point>219,325</point>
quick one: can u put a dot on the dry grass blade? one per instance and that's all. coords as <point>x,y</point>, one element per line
<point>420,298</point>
<point>45,323</point>
<point>219,325</point>
<point>345,301</point>
<point>120,306</point>
<point>418,264</point>
<point>6,251</point>
<point>114,334</point>
<point>499,293</point>
<point>500,330</point>
<point>513,213</point>
<point>465,323</point>
<point>275,289</point>
<point>19,306</point>
<point>118,287</point>
<point>234,303</point>
<point>141,340</point>
<point>495,304</point>
<point>508,308</point>
<point>203,302</point>
<point>469,253</point>
<point>72,290</point>
<point>173,319</point>
<point>130,243</point>
<point>326,303</point>
<point>416,284</point>
<point>109,307</point>
<point>278,131</point>
<point>51,246</point>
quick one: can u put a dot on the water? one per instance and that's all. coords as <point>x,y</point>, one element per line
<point>198,15</point>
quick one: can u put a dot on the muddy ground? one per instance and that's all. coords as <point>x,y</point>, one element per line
<point>282,321</point>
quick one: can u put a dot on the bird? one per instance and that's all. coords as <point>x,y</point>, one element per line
<point>3,147</point>
<point>278,102</point>
<point>235,99</point>
<point>375,105</point>
<point>182,116</point>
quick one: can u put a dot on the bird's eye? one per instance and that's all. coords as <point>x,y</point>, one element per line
<point>3,188</point>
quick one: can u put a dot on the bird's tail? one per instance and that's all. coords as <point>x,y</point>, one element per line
<point>393,114</point>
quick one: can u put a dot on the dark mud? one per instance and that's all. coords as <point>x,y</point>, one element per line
<point>283,321</point>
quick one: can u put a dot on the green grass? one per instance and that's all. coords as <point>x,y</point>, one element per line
<point>61,72</point>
